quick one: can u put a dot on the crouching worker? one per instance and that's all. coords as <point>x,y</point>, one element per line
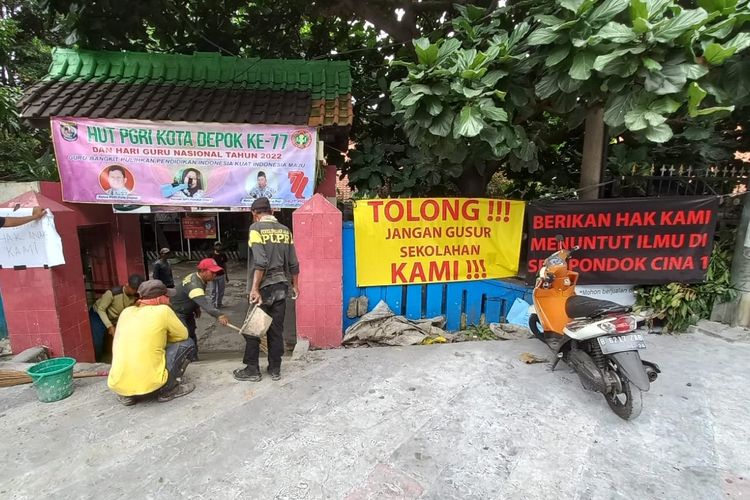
<point>151,349</point>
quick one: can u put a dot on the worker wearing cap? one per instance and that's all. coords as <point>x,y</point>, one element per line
<point>275,265</point>
<point>106,311</point>
<point>151,349</point>
<point>162,271</point>
<point>191,298</point>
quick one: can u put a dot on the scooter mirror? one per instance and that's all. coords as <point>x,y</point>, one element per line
<point>559,238</point>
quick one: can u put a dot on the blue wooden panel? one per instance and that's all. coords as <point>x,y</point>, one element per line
<point>453,305</point>
<point>493,306</point>
<point>435,300</point>
<point>350,277</point>
<point>474,292</point>
<point>394,297</point>
<point>414,301</point>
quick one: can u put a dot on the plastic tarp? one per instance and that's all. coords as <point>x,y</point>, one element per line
<point>381,326</point>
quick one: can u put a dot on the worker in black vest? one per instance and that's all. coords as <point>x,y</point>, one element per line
<point>274,266</point>
<point>191,298</point>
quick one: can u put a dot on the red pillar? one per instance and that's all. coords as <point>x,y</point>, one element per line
<point>48,306</point>
<point>317,238</point>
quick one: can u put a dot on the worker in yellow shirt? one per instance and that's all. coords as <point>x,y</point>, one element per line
<point>151,349</point>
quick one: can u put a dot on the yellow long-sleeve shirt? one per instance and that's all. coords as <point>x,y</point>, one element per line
<point>138,352</point>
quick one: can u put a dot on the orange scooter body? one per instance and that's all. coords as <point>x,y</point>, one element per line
<point>550,296</point>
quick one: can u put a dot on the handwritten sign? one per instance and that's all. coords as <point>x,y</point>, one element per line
<point>35,244</point>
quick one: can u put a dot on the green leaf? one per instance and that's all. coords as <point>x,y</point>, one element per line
<point>722,6</point>
<point>740,42</point>
<point>715,54</point>
<point>696,133</point>
<point>420,88</point>
<point>654,119</point>
<point>470,92</point>
<point>469,123</point>
<point>695,96</point>
<point>548,20</point>
<point>433,104</point>
<point>607,10</point>
<point>542,36</point>
<point>635,121</point>
<point>659,133</point>
<point>492,77</point>
<point>670,80</point>
<point>664,105</point>
<point>546,86</point>
<point>688,19</point>
<point>650,64</point>
<point>656,8</point>
<point>520,31</point>
<point>572,5</point>
<point>695,71</point>
<point>601,62</point>
<point>427,53</point>
<point>557,55</point>
<point>440,89</point>
<point>583,63</point>
<point>617,107</point>
<point>568,84</point>
<point>616,32</point>
<point>411,99</point>
<point>641,26</point>
<point>721,30</point>
<point>494,113</point>
<point>447,48</point>
<point>638,10</point>
<point>473,74</point>
<point>623,67</point>
<point>441,126</point>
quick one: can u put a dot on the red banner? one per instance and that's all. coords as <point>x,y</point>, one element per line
<point>199,228</point>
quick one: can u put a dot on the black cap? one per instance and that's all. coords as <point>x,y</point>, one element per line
<point>135,280</point>
<point>261,205</point>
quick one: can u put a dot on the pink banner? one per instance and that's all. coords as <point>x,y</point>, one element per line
<point>184,164</point>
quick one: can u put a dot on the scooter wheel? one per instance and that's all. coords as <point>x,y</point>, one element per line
<point>536,327</point>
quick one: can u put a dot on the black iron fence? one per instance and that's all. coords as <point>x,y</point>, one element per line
<point>679,180</point>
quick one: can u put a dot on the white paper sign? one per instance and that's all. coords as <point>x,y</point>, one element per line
<point>620,294</point>
<point>35,244</point>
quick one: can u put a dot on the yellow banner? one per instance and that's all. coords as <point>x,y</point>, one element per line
<point>435,240</point>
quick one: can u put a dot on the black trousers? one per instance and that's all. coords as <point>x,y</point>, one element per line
<point>275,335</point>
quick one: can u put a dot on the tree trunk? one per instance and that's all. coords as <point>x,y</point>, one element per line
<point>472,184</point>
<point>593,151</point>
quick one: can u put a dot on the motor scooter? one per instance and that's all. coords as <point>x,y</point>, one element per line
<point>596,338</point>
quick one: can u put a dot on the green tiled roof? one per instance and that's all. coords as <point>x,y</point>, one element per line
<point>323,79</point>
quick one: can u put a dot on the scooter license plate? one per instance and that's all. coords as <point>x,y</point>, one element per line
<point>618,343</point>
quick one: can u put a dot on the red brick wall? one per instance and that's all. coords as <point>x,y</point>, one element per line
<point>317,238</point>
<point>48,306</point>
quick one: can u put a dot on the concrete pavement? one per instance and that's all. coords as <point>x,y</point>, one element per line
<point>457,421</point>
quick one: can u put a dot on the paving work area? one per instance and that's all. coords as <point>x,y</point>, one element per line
<point>465,420</point>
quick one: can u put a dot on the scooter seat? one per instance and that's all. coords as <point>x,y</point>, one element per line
<point>578,306</point>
